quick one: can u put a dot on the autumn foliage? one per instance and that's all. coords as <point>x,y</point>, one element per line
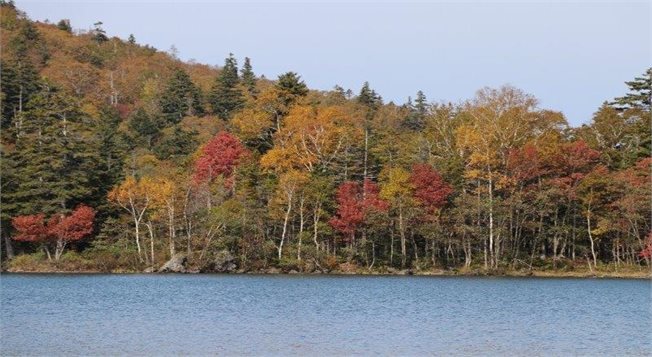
<point>219,156</point>
<point>430,189</point>
<point>354,203</point>
<point>157,145</point>
<point>59,229</point>
<point>30,228</point>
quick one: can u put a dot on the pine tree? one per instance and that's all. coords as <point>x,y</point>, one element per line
<point>226,96</point>
<point>290,88</point>
<point>146,128</point>
<point>19,83</point>
<point>369,97</point>
<point>180,98</point>
<point>55,163</point>
<point>131,39</point>
<point>416,118</point>
<point>640,95</point>
<point>249,78</point>
<point>64,25</point>
<point>99,35</point>
<point>175,144</point>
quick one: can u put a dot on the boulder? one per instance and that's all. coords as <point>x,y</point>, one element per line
<point>272,270</point>
<point>176,264</point>
<point>224,262</point>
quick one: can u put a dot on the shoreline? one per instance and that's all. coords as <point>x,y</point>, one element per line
<point>439,273</point>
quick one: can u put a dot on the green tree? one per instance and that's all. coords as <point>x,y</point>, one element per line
<point>640,93</point>
<point>145,127</point>
<point>290,87</point>
<point>226,96</point>
<point>99,35</point>
<point>55,159</point>
<point>180,98</point>
<point>176,143</point>
<point>249,78</point>
<point>64,25</point>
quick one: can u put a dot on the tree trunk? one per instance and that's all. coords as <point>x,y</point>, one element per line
<point>9,249</point>
<point>300,228</point>
<point>315,225</point>
<point>402,234</point>
<point>588,228</point>
<point>285,226</point>
<point>58,251</point>
<point>151,240</point>
<point>491,222</point>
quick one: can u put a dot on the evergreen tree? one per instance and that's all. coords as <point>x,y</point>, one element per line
<point>112,149</point>
<point>19,83</point>
<point>99,35</point>
<point>226,96</point>
<point>249,78</point>
<point>131,39</point>
<point>369,97</point>
<point>145,127</point>
<point>640,95</point>
<point>54,161</point>
<point>416,118</point>
<point>290,87</point>
<point>180,98</point>
<point>64,25</point>
<point>177,143</point>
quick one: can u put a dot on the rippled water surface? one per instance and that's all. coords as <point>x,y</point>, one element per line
<point>322,315</point>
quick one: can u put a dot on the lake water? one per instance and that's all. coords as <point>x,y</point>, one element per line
<point>322,315</point>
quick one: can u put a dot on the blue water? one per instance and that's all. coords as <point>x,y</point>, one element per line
<point>322,315</point>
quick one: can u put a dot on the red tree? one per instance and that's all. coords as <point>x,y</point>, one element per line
<point>525,163</point>
<point>576,161</point>
<point>220,156</point>
<point>60,229</point>
<point>29,228</point>
<point>353,204</point>
<point>430,189</point>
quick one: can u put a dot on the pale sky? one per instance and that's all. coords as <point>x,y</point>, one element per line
<point>572,56</point>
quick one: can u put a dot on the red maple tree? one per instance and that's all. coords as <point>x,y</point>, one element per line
<point>220,156</point>
<point>354,203</point>
<point>60,229</point>
<point>29,228</point>
<point>430,189</point>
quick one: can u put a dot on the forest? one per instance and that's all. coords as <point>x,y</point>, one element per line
<point>118,157</point>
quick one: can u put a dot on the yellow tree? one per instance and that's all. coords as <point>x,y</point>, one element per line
<point>311,138</point>
<point>397,189</point>
<point>497,121</point>
<point>290,186</point>
<point>137,197</point>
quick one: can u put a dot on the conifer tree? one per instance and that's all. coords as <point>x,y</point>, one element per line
<point>180,98</point>
<point>416,119</point>
<point>64,25</point>
<point>640,93</point>
<point>55,164</point>
<point>290,87</point>
<point>99,35</point>
<point>226,96</point>
<point>249,78</point>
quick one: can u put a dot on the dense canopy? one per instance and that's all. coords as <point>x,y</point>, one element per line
<point>127,156</point>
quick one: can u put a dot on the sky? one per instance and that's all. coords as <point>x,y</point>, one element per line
<point>572,56</point>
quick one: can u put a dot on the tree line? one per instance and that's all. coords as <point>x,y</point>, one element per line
<point>120,156</point>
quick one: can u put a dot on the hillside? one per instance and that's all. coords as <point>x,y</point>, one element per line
<point>117,157</point>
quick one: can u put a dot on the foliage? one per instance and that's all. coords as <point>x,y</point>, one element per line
<point>185,157</point>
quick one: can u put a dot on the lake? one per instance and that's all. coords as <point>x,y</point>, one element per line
<point>322,315</point>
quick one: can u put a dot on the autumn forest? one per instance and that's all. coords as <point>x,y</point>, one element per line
<point>118,157</point>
